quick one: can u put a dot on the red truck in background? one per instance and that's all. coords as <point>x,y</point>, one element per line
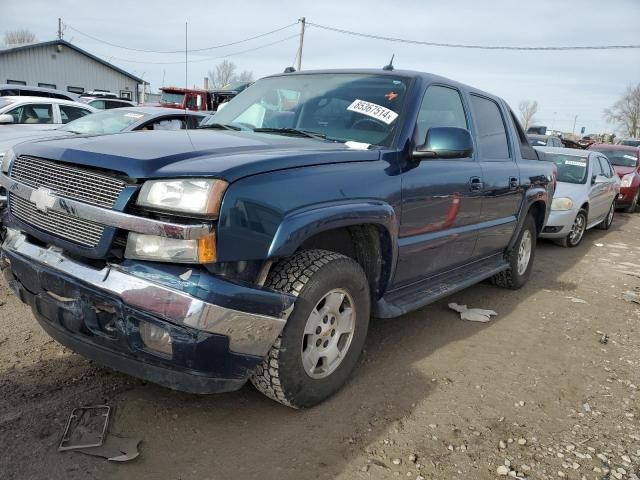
<point>199,99</point>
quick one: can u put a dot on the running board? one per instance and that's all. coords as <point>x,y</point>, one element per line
<point>422,293</point>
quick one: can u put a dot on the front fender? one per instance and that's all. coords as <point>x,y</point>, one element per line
<point>537,193</point>
<point>302,224</point>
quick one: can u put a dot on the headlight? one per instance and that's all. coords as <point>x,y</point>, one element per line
<point>188,196</point>
<point>627,180</point>
<point>163,249</point>
<point>561,204</point>
<point>7,157</point>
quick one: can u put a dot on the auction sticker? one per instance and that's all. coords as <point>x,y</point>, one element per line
<point>373,110</point>
<point>576,163</point>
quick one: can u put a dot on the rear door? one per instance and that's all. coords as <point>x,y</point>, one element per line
<point>610,191</point>
<point>501,190</point>
<point>441,198</point>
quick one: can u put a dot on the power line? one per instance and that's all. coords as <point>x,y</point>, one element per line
<point>233,54</point>
<point>213,47</point>
<point>477,47</point>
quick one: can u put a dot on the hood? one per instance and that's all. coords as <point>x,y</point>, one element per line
<point>10,140</point>
<point>210,153</point>
<point>622,171</point>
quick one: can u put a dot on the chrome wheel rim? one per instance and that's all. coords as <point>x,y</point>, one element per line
<point>524,252</point>
<point>328,334</point>
<point>577,229</point>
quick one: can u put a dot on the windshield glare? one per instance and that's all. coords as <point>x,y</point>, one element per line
<point>4,102</point>
<point>109,121</point>
<point>620,158</point>
<point>171,97</point>
<point>356,107</point>
<point>571,168</point>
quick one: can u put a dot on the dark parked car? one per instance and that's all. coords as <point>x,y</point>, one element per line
<point>544,141</point>
<point>626,162</point>
<point>258,247</point>
<point>107,103</point>
<point>10,90</point>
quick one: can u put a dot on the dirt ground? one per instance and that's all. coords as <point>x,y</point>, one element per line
<point>534,392</point>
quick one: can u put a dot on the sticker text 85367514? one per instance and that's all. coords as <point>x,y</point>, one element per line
<point>373,110</point>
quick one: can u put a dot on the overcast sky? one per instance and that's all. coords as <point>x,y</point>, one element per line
<point>565,84</point>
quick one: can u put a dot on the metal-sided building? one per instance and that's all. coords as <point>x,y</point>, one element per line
<point>60,64</point>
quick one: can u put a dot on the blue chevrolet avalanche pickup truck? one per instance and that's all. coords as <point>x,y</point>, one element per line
<point>258,247</point>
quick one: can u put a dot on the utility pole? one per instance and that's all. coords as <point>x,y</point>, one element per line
<point>302,23</point>
<point>573,132</point>
<point>59,28</point>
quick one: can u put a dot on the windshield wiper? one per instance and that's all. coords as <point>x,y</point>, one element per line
<point>219,126</point>
<point>291,131</point>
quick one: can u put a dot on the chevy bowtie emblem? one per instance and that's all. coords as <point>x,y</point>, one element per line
<point>43,198</point>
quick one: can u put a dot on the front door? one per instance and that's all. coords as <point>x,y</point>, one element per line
<point>502,194</point>
<point>441,199</point>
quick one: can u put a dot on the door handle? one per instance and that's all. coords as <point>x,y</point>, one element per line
<point>514,183</point>
<point>475,184</point>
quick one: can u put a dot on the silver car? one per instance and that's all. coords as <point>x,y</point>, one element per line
<point>585,196</point>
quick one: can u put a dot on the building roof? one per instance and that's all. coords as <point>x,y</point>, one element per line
<point>26,46</point>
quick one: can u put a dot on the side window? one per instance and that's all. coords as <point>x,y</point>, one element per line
<point>167,123</point>
<point>526,150</point>
<point>69,113</point>
<point>597,168</point>
<point>193,121</point>
<point>492,135</point>
<point>606,168</point>
<point>441,107</point>
<point>33,114</point>
<point>98,104</point>
<point>114,104</point>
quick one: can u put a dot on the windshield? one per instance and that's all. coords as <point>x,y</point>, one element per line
<point>172,97</point>
<point>109,121</point>
<point>571,168</point>
<point>343,107</point>
<point>620,158</point>
<point>631,143</point>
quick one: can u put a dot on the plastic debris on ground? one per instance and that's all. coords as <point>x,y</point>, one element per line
<point>576,300</point>
<point>472,314</point>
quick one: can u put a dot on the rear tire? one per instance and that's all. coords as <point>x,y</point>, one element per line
<point>608,220</point>
<point>315,354</point>
<point>520,258</point>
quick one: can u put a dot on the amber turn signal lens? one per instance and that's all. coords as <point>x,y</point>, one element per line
<point>207,248</point>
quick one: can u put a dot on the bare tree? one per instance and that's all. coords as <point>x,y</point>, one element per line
<point>528,112</point>
<point>626,112</point>
<point>225,73</point>
<point>16,37</point>
<point>245,77</point>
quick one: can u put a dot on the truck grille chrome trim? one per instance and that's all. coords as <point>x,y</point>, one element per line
<point>69,182</point>
<point>63,225</point>
<point>107,217</point>
<point>248,333</point>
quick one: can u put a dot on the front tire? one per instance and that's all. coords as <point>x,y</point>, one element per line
<point>577,231</point>
<point>520,258</point>
<point>325,333</point>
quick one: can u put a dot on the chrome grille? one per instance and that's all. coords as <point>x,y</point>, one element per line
<point>66,181</point>
<point>65,226</point>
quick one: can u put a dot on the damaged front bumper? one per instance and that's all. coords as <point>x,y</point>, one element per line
<point>218,332</point>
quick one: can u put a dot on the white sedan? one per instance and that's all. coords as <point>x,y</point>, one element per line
<point>39,113</point>
<point>585,196</point>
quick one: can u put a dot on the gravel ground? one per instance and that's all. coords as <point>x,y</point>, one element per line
<point>535,393</point>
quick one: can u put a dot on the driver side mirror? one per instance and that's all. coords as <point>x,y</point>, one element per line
<point>445,142</point>
<point>6,118</point>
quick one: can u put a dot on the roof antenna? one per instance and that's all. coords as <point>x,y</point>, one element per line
<point>389,67</point>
